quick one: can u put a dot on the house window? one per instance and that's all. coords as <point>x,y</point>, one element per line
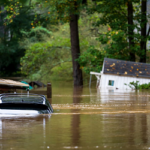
<point>111,82</point>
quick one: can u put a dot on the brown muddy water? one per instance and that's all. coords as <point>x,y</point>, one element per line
<point>85,119</point>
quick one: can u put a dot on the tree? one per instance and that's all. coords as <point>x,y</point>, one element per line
<point>11,23</point>
<point>15,17</point>
<point>131,30</point>
<point>123,18</point>
<point>75,48</point>
<point>57,46</point>
<point>68,11</point>
<point>143,31</point>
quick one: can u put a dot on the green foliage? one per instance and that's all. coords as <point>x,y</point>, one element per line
<point>136,85</point>
<point>45,53</point>
<point>62,71</point>
<point>58,11</point>
<point>144,86</point>
<point>58,40</point>
<point>116,39</point>
<point>133,85</point>
<point>16,19</point>
<point>47,49</point>
<point>103,39</point>
<point>91,60</point>
<point>37,55</point>
<point>116,45</point>
<point>38,34</point>
<point>10,58</point>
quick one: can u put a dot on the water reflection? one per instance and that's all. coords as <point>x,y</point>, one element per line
<point>109,95</point>
<point>15,131</point>
<point>77,92</point>
<point>144,128</point>
<point>127,100</point>
<point>132,128</point>
<point>75,122</point>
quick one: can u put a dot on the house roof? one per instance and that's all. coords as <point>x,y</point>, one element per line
<point>126,68</point>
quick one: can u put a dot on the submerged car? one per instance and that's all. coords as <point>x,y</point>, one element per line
<point>25,102</point>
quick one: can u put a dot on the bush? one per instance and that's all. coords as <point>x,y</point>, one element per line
<point>91,60</point>
<point>136,85</point>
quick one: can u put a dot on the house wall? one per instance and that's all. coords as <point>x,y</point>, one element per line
<point>119,81</point>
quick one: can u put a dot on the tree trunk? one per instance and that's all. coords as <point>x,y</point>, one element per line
<point>75,50</point>
<point>131,31</point>
<point>143,31</point>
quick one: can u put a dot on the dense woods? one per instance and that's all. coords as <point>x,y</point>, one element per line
<point>59,39</point>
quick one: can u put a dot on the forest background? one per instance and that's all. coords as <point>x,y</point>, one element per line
<point>66,39</point>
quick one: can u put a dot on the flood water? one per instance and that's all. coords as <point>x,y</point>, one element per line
<point>85,119</point>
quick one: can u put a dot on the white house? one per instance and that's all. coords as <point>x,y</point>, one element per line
<point>116,73</point>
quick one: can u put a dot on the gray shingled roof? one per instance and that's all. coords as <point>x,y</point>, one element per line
<point>126,68</point>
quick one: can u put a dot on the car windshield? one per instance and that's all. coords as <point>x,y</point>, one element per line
<point>22,98</point>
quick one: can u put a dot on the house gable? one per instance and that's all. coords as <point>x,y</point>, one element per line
<point>126,68</point>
